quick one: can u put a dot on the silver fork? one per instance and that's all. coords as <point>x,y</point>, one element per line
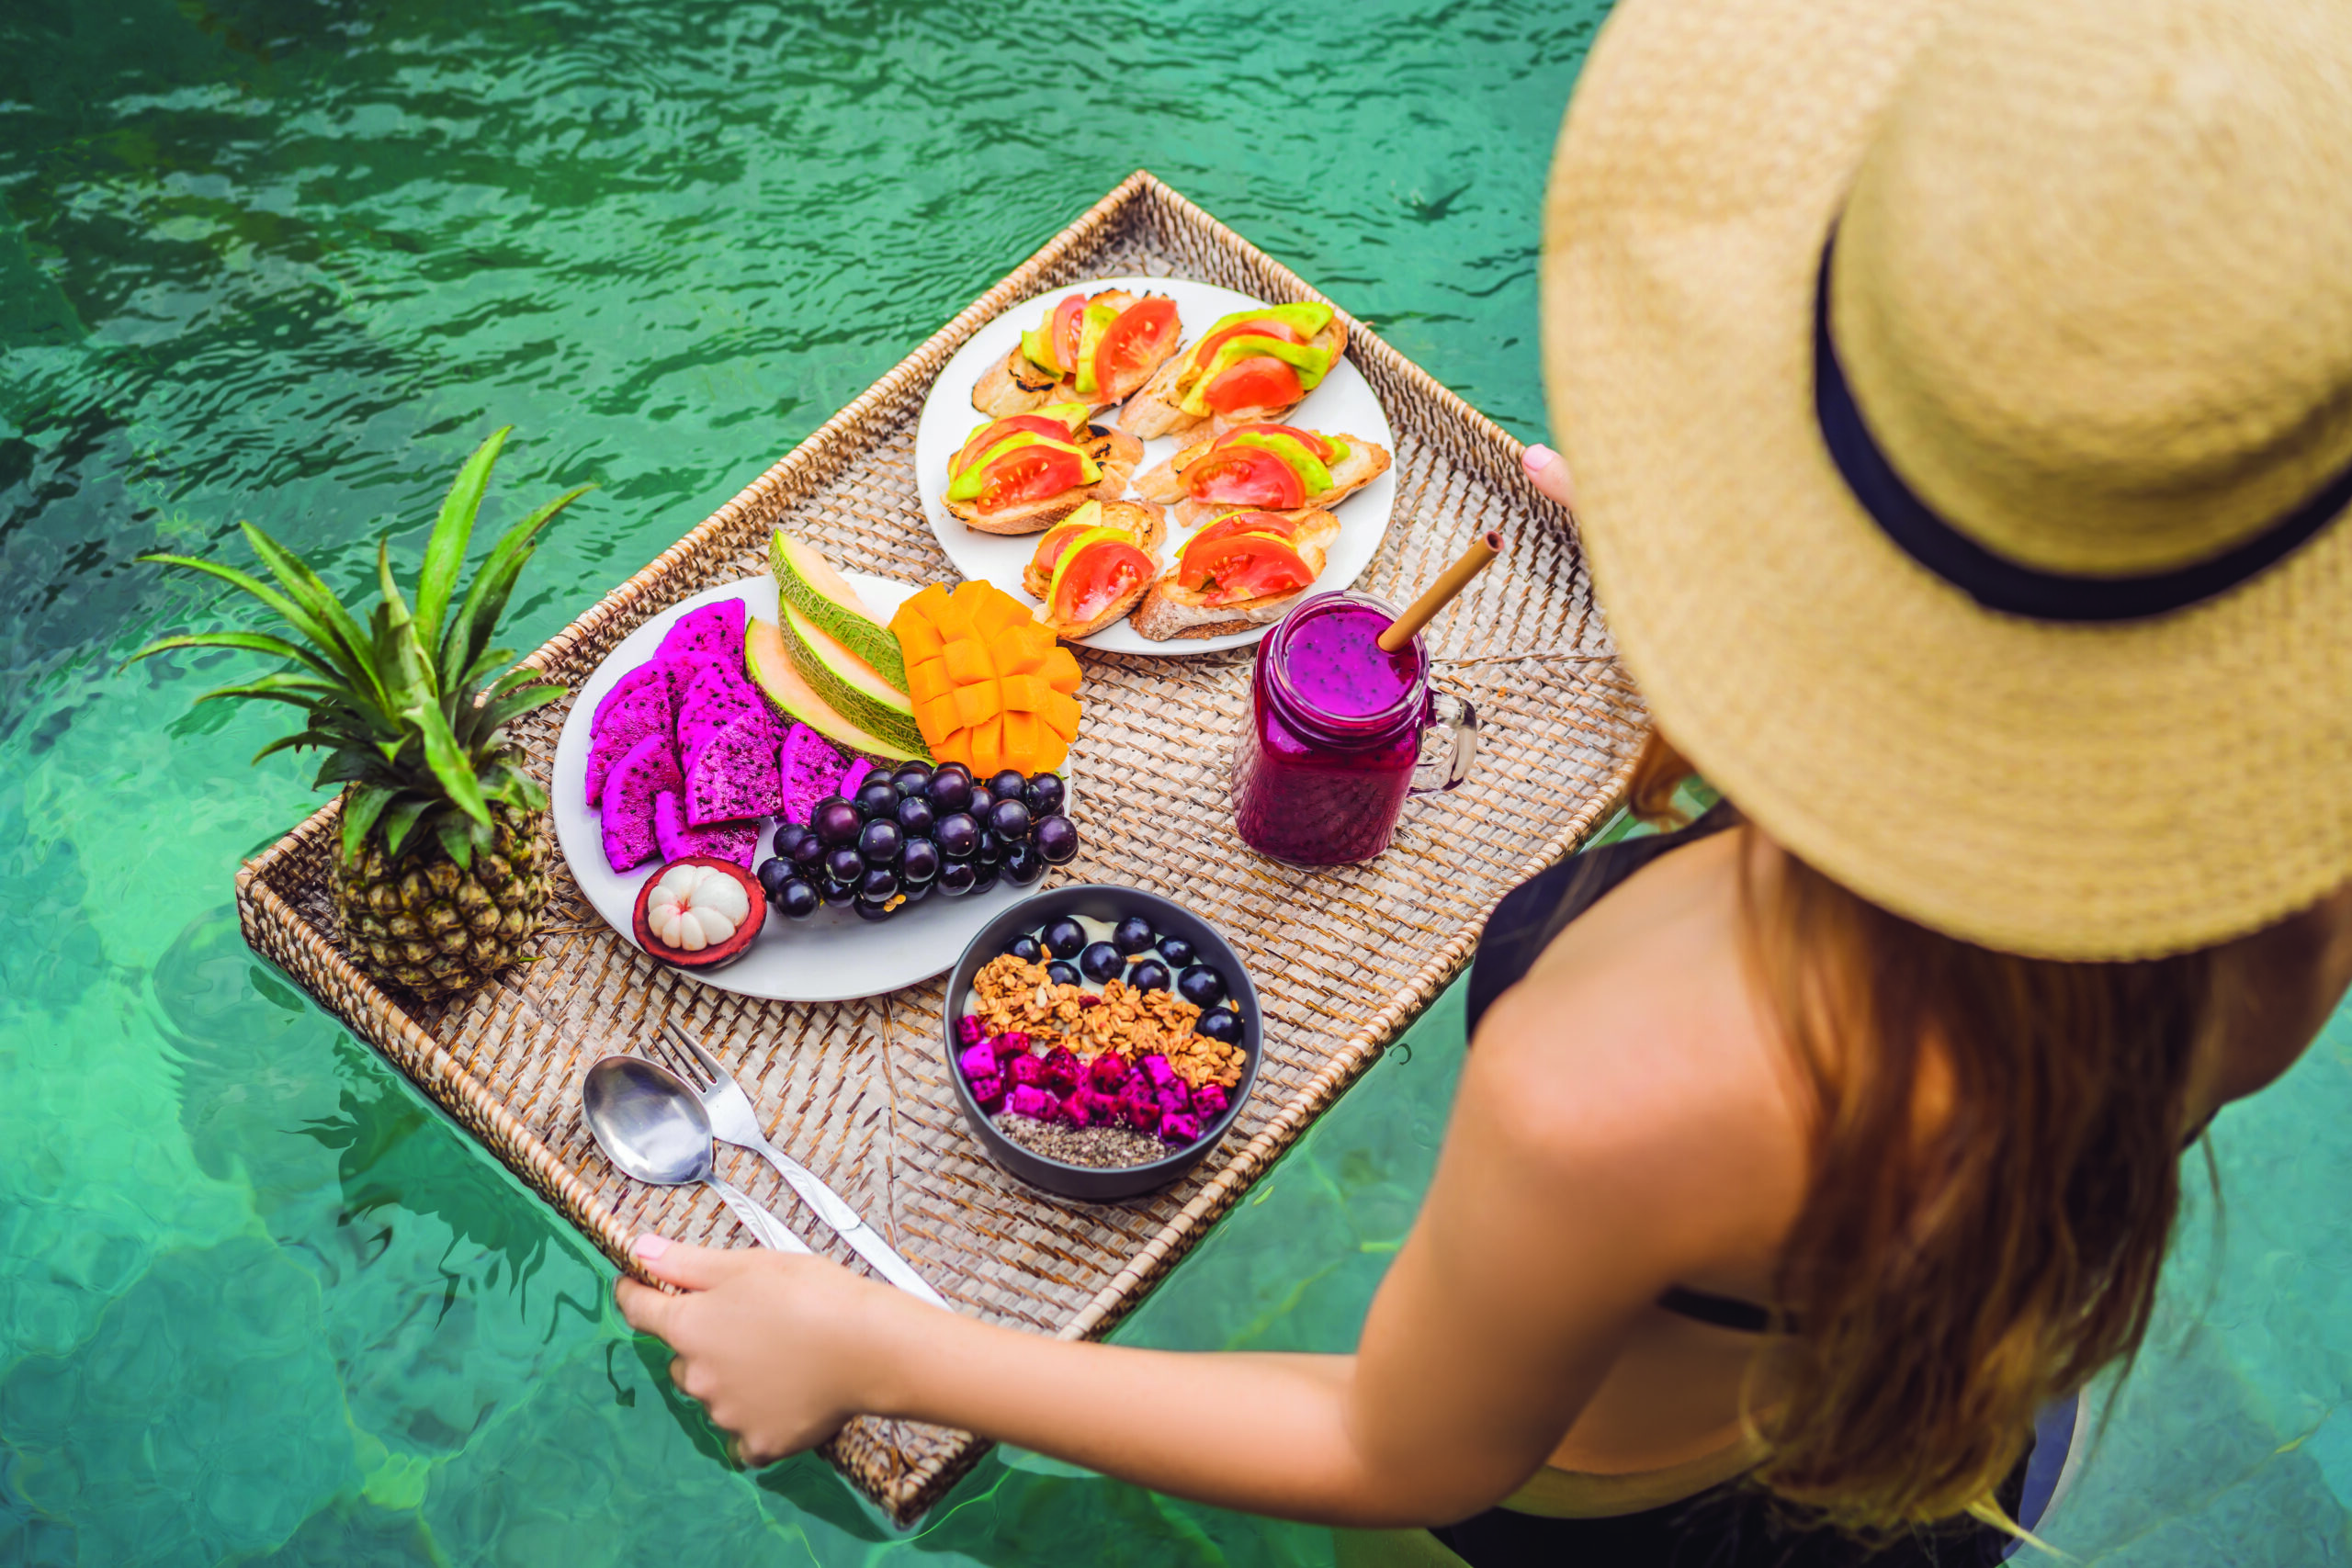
<point>734,1121</point>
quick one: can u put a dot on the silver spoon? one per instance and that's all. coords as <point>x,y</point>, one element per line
<point>654,1128</point>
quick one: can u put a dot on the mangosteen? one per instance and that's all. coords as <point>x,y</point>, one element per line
<point>699,912</point>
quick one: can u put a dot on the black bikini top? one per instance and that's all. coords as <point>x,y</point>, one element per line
<point>1523,925</point>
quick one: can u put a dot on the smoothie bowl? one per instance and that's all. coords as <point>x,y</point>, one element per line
<point>1101,1040</point>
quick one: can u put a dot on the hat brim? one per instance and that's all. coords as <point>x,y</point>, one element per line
<point>2076,792</point>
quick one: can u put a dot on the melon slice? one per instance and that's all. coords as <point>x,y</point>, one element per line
<point>850,686</point>
<point>734,773</point>
<point>706,636</point>
<point>770,670</point>
<point>807,581</point>
<point>627,811</point>
<point>641,704</point>
<point>811,770</point>
<point>736,841</point>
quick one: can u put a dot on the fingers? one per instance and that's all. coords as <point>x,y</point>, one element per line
<point>1550,472</point>
<point>692,1267</point>
<point>647,1309</point>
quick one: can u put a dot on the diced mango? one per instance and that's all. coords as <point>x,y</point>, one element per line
<point>981,701</point>
<point>991,687</point>
<point>1025,694</point>
<point>921,609</point>
<point>928,679</point>
<point>1062,671</point>
<point>1023,734</point>
<point>968,659</point>
<point>1022,650</point>
<point>1003,613</point>
<point>988,747</point>
<point>918,639</point>
<point>1060,714</point>
<point>1052,752</point>
<point>938,717</point>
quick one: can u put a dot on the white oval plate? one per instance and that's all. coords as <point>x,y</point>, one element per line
<point>1343,405</point>
<point>831,956</point>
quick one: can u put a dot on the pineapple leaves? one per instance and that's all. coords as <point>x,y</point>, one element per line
<point>445,550</point>
<point>346,642</point>
<point>447,760</point>
<point>360,809</point>
<point>400,818</point>
<point>476,622</point>
<point>457,838</point>
<point>249,642</point>
<point>499,712</point>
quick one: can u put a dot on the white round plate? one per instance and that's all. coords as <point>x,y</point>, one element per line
<point>831,956</point>
<point>1343,405</point>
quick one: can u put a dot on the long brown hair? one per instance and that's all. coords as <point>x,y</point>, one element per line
<point>1994,1168</point>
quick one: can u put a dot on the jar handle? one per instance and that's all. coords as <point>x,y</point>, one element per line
<point>1452,717</point>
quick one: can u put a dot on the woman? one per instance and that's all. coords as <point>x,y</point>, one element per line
<point>1961,400</point>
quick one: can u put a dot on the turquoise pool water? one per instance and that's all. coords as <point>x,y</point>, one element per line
<point>290,261</point>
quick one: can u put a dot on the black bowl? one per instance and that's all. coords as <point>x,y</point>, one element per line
<point>1100,901</point>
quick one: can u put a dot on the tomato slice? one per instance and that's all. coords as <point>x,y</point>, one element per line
<point>1260,381</point>
<point>1094,576</point>
<point>1134,343</point>
<point>1242,565</point>
<point>1030,473</point>
<point>1035,424</point>
<point>1062,535</point>
<point>1245,476</point>
<point>1245,522</point>
<point>1320,445</point>
<point>1281,332</point>
<point>1068,318</point>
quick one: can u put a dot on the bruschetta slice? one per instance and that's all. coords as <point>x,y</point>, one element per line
<point>1252,368</point>
<point>1275,468</point>
<point>1244,570</point>
<point>1095,351</point>
<point>1141,521</point>
<point>1028,472</point>
<point>1097,575</point>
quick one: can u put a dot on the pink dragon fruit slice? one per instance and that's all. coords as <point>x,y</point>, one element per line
<point>812,770</point>
<point>737,841</point>
<point>626,809</point>
<point>641,704</point>
<point>859,768</point>
<point>711,634</point>
<point>732,774</point>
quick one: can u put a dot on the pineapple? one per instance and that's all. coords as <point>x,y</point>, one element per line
<point>441,871</point>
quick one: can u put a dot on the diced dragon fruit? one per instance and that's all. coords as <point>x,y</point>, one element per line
<point>989,1092</point>
<point>1027,1072</point>
<point>811,769</point>
<point>1078,1110</point>
<point>977,1062</point>
<point>641,704</point>
<point>1107,1072</point>
<point>1157,1069</point>
<point>1175,1099</point>
<point>1180,1128</point>
<point>1028,1100</point>
<point>711,634</point>
<point>737,841</point>
<point>732,774</point>
<point>970,1029</point>
<point>1209,1102</point>
<point>626,809</point>
<point>1012,1043</point>
<point>1139,1111</point>
<point>1062,1072</point>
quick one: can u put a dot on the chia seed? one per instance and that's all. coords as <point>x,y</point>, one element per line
<point>1099,1148</point>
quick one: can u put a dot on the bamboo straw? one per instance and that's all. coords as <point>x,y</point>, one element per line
<point>1440,593</point>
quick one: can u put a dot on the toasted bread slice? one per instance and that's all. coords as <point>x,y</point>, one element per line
<point>1146,524</point>
<point>1017,385</point>
<point>1115,452</point>
<point>1164,483</point>
<point>1169,612</point>
<point>1155,410</point>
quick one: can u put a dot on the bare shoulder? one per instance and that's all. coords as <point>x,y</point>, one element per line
<point>1634,1055</point>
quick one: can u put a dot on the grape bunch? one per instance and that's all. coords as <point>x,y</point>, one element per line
<point>919,830</point>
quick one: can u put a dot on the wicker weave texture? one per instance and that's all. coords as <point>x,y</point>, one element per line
<point>858,1091</point>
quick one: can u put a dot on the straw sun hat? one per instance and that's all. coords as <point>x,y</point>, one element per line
<point>2003,579</point>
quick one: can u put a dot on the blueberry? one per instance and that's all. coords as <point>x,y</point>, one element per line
<point>1008,820</point>
<point>836,822</point>
<point>877,798</point>
<point>1134,935</point>
<point>880,842</point>
<point>1062,973</point>
<point>789,837</point>
<point>774,875</point>
<point>838,894</point>
<point>877,884</point>
<point>950,790</point>
<point>796,900</point>
<point>1149,975</point>
<point>1224,1025</point>
<point>1101,962</point>
<point>1027,948</point>
<point>919,862</point>
<point>917,818</point>
<point>1064,938</point>
<point>1007,785</point>
<point>1176,949</point>
<point>956,878</point>
<point>1057,840</point>
<point>844,864</point>
<point>1044,793</point>
<point>1204,986</point>
<point>1024,864</point>
<point>983,878</point>
<point>958,835</point>
<point>869,911</point>
<point>911,779</point>
<point>990,849</point>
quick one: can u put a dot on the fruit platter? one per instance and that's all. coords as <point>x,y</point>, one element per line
<point>748,787</point>
<point>1293,431</point>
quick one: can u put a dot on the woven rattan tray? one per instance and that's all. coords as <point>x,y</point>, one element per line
<point>857,1089</point>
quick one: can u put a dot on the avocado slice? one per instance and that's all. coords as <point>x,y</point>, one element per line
<point>809,583</point>
<point>1312,364</point>
<point>1038,347</point>
<point>1312,474</point>
<point>1096,321</point>
<point>771,669</point>
<point>1305,319</point>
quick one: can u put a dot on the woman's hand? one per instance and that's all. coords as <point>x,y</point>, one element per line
<point>778,1349</point>
<point>1550,472</point>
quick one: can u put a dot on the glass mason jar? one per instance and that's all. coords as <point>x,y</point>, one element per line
<point>1332,745</point>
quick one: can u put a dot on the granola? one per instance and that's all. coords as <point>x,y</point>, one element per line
<point>1011,994</point>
